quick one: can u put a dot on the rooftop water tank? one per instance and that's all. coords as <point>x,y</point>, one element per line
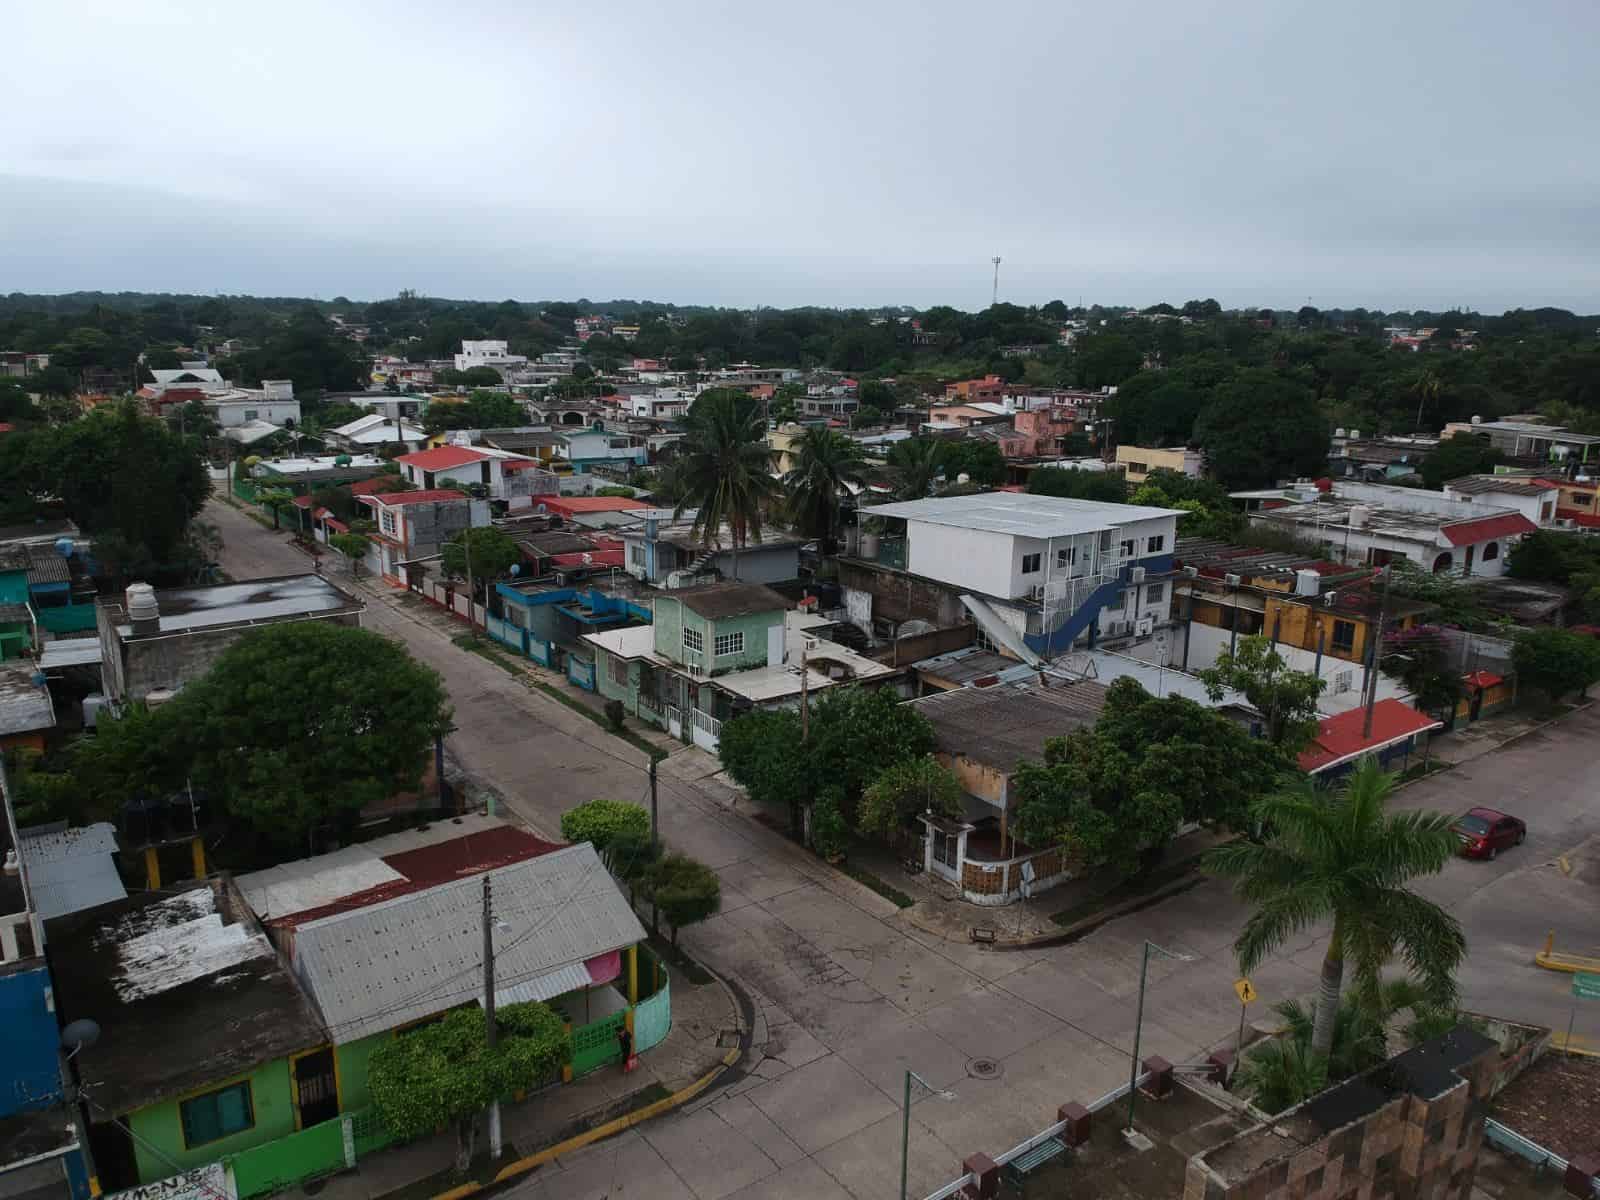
<point>143,611</point>
<point>1307,582</point>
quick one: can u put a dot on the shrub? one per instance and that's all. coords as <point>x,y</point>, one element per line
<point>615,715</point>
<point>598,821</point>
<point>829,832</point>
<point>686,891</point>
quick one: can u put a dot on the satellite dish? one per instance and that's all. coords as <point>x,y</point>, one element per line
<point>80,1033</point>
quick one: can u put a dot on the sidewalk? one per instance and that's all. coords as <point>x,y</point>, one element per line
<point>706,1024</point>
<point>1467,742</point>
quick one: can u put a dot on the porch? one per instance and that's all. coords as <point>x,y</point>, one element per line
<point>985,864</point>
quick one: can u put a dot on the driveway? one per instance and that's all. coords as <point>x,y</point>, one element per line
<point>850,995</point>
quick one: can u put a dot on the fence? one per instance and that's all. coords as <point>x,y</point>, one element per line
<point>320,1150</point>
<point>595,1044</point>
<point>507,634</point>
<point>581,672</point>
<point>1513,1142</point>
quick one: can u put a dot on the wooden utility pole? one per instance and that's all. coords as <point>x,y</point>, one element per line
<point>488,1008</point>
<point>1377,648</point>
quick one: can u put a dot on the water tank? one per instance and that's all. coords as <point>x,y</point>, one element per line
<point>143,611</point>
<point>1307,582</point>
<point>93,705</point>
<point>1476,419</point>
<point>1355,435</point>
<point>1339,432</point>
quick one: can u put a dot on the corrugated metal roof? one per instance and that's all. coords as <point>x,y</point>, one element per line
<point>47,566</point>
<point>545,987</point>
<point>70,652</point>
<point>24,705</point>
<point>380,967</point>
<point>70,870</point>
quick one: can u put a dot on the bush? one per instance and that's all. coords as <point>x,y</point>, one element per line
<point>686,891</point>
<point>615,715</point>
<point>599,821</point>
<point>829,833</point>
<point>1556,661</point>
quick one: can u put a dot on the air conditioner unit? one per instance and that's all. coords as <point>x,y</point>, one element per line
<point>1145,626</point>
<point>1135,574</point>
<point>1232,580</point>
<point>1191,572</point>
<point>1330,598</point>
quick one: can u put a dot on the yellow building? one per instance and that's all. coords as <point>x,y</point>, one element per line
<point>781,441</point>
<point>1138,461</point>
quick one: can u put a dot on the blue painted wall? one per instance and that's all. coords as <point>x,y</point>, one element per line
<point>29,1075</point>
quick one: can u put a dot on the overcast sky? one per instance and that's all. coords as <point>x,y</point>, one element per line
<point>854,153</point>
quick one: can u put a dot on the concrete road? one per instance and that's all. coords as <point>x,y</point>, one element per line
<point>850,996</point>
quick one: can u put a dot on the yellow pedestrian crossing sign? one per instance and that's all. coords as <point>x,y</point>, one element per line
<point>1244,991</point>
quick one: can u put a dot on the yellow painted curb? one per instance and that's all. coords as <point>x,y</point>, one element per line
<point>1552,960</point>
<point>666,1104</point>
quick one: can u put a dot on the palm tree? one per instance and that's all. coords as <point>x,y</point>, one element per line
<point>725,469</point>
<point>1343,858</point>
<point>825,461</point>
<point>919,461</point>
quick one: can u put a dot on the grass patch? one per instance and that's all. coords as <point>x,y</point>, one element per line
<point>1128,889</point>
<point>867,879</point>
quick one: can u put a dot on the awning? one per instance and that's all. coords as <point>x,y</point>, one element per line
<point>555,983</point>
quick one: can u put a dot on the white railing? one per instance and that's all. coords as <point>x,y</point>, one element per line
<point>705,722</point>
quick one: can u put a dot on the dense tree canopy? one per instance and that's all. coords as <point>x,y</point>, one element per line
<point>1259,427</point>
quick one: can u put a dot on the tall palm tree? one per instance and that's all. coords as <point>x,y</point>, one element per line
<point>725,469</point>
<point>825,461</point>
<point>919,461</point>
<point>1343,858</point>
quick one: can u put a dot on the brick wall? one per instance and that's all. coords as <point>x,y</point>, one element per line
<point>898,596</point>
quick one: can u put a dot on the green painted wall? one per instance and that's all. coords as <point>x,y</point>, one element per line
<point>754,626</point>
<point>284,1163</point>
<point>667,621</point>
<point>13,587</point>
<point>610,688</point>
<point>69,618</point>
<point>158,1130</point>
<point>353,1058</point>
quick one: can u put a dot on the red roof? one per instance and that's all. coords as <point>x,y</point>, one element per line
<point>395,499</point>
<point>1465,533</point>
<point>1482,679</point>
<point>1339,738</point>
<point>590,558</point>
<point>568,505</point>
<point>369,487</point>
<point>429,866</point>
<point>1577,515</point>
<point>442,458</point>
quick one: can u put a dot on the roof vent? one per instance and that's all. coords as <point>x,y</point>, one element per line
<point>143,610</point>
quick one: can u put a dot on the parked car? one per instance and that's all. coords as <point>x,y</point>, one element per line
<point>1484,832</point>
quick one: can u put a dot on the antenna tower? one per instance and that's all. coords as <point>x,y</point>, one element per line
<point>995,299</point>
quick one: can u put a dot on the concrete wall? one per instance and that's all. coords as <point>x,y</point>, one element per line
<point>966,558</point>
<point>158,1143</point>
<point>777,565</point>
<point>1343,678</point>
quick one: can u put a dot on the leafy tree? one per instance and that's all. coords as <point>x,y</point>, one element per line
<point>918,462</point>
<point>480,410</point>
<point>299,724</point>
<point>1286,698</point>
<point>1421,659</point>
<point>1463,454</point>
<point>830,833</point>
<point>631,855</point>
<point>855,734</point>
<point>1550,556</point>
<point>1260,426</point>
<point>762,752</point>
<point>445,1072</point>
<point>1074,484</point>
<point>490,553</point>
<point>1212,518</point>
<point>892,801</point>
<point>277,501</point>
<point>353,546</point>
<point>1343,858</point>
<point>1106,359</point>
<point>825,462</point>
<point>1556,661</point>
<point>980,461</point>
<point>599,822</point>
<point>725,469</point>
<point>307,350</point>
<point>687,892</point>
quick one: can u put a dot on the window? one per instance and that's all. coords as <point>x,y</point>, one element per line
<point>636,555</point>
<point>983,641</point>
<point>619,670</point>
<point>1153,544</point>
<point>693,640</point>
<point>1065,558</point>
<point>1030,564</point>
<point>251,414</point>
<point>729,643</point>
<point>1344,635</point>
<point>386,521</point>
<point>1491,552</point>
<point>1155,593</point>
<point>1105,542</point>
<point>217,1114</point>
<point>1125,549</point>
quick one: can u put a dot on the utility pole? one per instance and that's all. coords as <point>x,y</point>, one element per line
<point>488,1009</point>
<point>1377,648</point>
<point>995,299</point>
<point>805,695</point>
<point>655,834</point>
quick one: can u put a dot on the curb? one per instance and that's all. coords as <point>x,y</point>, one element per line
<point>513,1170</point>
<point>1585,706</point>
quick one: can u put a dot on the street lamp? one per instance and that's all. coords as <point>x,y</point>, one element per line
<point>905,1121</point>
<point>1138,1023</point>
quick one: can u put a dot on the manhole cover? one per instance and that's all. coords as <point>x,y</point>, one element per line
<point>985,1068</point>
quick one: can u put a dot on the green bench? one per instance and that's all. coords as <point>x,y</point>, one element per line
<point>1026,1164</point>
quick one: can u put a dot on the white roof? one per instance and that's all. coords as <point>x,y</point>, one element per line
<point>382,966</point>
<point>636,641</point>
<point>250,432</point>
<point>989,406</point>
<point>1020,514</point>
<point>377,429</point>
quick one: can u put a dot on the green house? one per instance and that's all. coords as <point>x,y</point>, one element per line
<point>713,652</point>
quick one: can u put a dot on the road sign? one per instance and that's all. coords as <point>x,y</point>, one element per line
<point>1247,994</point>
<point>1586,986</point>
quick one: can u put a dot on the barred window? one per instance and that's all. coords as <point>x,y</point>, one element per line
<point>693,640</point>
<point>729,643</point>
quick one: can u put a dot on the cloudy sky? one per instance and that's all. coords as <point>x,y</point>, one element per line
<point>841,153</point>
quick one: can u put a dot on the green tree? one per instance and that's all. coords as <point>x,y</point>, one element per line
<point>1551,556</point>
<point>1344,859</point>
<point>446,1073</point>
<point>1556,661</point>
<point>1075,484</point>
<point>891,802</point>
<point>1454,457</point>
<point>725,469</point>
<point>762,752</point>
<point>830,834</point>
<point>304,723</point>
<point>480,410</point>
<point>1286,698</point>
<point>917,462</point>
<point>980,461</point>
<point>488,551</point>
<point>687,892</point>
<point>825,463</point>
<point>600,822</point>
<point>353,546</point>
<point>1259,427</point>
<point>277,501</point>
<point>855,734</point>
<point>1421,659</point>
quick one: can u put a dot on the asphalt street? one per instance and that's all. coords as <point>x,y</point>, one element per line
<point>851,995</point>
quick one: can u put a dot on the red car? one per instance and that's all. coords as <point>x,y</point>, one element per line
<point>1484,832</point>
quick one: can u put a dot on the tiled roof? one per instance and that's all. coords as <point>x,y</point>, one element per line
<point>395,499</point>
<point>1465,533</point>
<point>442,458</point>
<point>1339,738</point>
